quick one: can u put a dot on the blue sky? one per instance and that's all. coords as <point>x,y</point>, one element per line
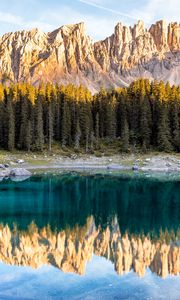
<point>100,16</point>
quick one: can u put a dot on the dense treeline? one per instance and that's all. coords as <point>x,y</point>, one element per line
<point>142,116</point>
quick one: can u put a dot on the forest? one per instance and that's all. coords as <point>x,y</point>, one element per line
<point>143,116</point>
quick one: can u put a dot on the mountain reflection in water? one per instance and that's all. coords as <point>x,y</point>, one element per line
<point>63,220</point>
<point>71,249</point>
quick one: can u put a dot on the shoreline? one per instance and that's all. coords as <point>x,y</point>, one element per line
<point>102,167</point>
<point>150,163</point>
<point>132,162</point>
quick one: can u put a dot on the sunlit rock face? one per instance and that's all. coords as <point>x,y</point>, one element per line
<point>71,249</point>
<point>69,55</point>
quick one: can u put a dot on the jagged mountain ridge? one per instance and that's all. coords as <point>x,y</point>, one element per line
<point>69,55</point>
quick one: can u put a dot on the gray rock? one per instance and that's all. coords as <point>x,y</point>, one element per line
<point>2,166</point>
<point>20,161</point>
<point>4,173</point>
<point>116,167</point>
<point>168,164</point>
<point>135,168</point>
<point>73,156</point>
<point>19,172</point>
<point>6,165</point>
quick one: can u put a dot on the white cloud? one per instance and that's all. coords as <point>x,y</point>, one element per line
<point>159,9</point>
<point>23,24</point>
<point>10,18</point>
<point>96,1</point>
<point>98,24</point>
<point>97,27</point>
<point>116,12</point>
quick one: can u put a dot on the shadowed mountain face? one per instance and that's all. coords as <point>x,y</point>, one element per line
<point>63,220</point>
<point>69,55</point>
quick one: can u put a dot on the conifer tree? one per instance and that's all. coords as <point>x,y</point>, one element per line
<point>24,115</point>
<point>125,136</point>
<point>77,136</point>
<point>28,137</point>
<point>66,123</point>
<point>175,124</point>
<point>163,134</point>
<point>145,123</point>
<point>38,126</point>
<point>10,122</point>
<point>57,115</point>
<point>111,118</point>
<point>97,126</point>
<point>1,116</point>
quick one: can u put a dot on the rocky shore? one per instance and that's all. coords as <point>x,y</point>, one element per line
<point>23,165</point>
<point>21,173</point>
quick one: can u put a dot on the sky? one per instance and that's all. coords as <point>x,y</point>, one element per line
<point>100,16</point>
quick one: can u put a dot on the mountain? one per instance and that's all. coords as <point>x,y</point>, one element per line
<point>69,55</point>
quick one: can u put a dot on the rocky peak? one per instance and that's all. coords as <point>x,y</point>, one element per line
<point>138,29</point>
<point>159,31</point>
<point>68,31</point>
<point>174,36</point>
<point>69,55</point>
<point>71,29</point>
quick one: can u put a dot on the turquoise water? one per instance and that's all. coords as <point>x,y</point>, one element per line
<point>85,236</point>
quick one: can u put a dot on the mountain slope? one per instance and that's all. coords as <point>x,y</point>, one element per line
<point>69,55</point>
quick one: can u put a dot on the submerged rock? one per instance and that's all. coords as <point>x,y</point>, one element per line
<point>19,172</point>
<point>4,173</point>
<point>20,178</point>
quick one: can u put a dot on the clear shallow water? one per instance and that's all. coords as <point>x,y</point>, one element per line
<point>80,236</point>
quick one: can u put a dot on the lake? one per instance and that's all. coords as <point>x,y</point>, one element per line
<point>90,236</point>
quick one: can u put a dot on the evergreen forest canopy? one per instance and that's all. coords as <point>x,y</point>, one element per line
<point>145,116</point>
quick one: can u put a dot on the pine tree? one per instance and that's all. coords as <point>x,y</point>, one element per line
<point>97,126</point>
<point>101,103</point>
<point>163,134</point>
<point>77,136</point>
<point>10,124</point>
<point>57,115</point>
<point>24,115</point>
<point>145,124</point>
<point>50,126</point>
<point>49,117</point>
<point>28,136</point>
<point>66,123</point>
<point>2,109</point>
<point>125,136</point>
<point>38,126</point>
<point>111,118</point>
<point>175,123</point>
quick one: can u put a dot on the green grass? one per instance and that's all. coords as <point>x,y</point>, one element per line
<point>104,149</point>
